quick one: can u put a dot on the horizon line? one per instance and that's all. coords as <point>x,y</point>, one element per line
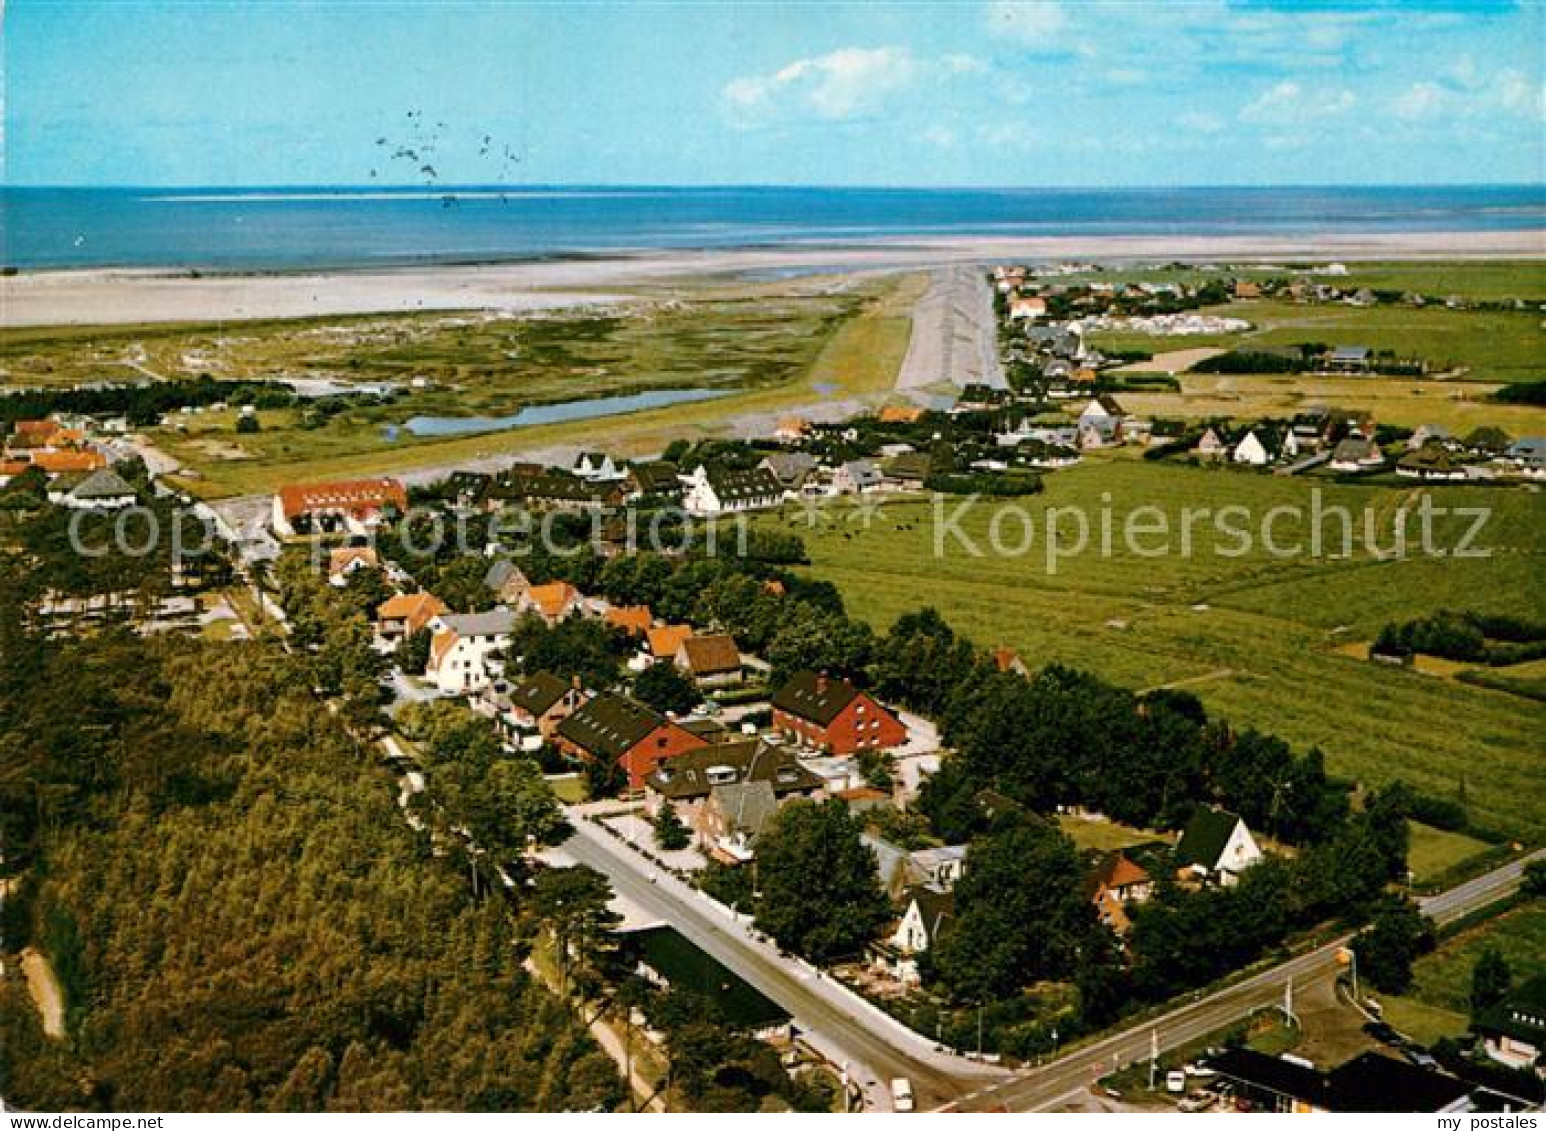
<point>527,186</point>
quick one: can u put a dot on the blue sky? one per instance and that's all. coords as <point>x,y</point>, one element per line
<point>1106,92</point>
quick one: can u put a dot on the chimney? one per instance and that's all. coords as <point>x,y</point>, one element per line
<point>821,684</point>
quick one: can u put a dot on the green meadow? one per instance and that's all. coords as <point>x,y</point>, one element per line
<point>1263,640</point>
<point>1438,1002</point>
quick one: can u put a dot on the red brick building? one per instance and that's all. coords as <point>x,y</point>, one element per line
<point>615,728</point>
<point>834,716</point>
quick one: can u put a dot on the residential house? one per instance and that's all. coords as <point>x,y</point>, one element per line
<point>1031,307</point>
<point>857,477</point>
<point>1310,429</point>
<point>506,581</point>
<point>927,915</point>
<point>1514,1031</point>
<point>654,479</point>
<point>553,602</point>
<point>1349,359</point>
<point>1528,456</point>
<point>1245,290</point>
<point>908,470</point>
<point>67,461</point>
<point>1008,660</point>
<point>711,661</point>
<point>1433,462</point>
<point>101,490</point>
<point>635,620</point>
<point>540,702</point>
<point>900,414</point>
<point>616,730</point>
<point>688,781</point>
<point>791,469</point>
<point>346,561</point>
<point>898,869</point>
<point>735,816</point>
<point>1251,451</point>
<point>462,653</point>
<point>534,488</point>
<point>1116,882</point>
<point>1488,441</point>
<point>834,716</point>
<point>356,506</point>
<point>712,491</point>
<point>468,490</point>
<point>1356,454</point>
<point>1211,445</point>
<point>665,641</point>
<point>399,617</point>
<point>1216,846</point>
<point>597,467</point>
<point>1102,408</point>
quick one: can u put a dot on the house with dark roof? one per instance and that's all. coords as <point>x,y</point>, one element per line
<point>655,479</point>
<point>612,728</point>
<point>711,661</point>
<point>735,816</point>
<point>834,716</point>
<point>101,490</point>
<point>686,782</point>
<point>1369,1083</point>
<point>1514,1031</point>
<point>1357,454</point>
<point>927,915</point>
<point>1433,461</point>
<point>791,469</point>
<point>506,580</point>
<point>540,702</point>
<point>1216,846</point>
<point>720,490</point>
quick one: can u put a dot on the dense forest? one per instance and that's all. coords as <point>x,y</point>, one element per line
<point>239,916</point>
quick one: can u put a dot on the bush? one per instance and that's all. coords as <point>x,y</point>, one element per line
<point>247,425</point>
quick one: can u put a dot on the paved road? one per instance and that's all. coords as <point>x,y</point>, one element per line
<point>1046,1087</point>
<point>879,1047</point>
<point>841,1024</point>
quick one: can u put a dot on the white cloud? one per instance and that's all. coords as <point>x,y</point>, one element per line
<point>1030,23</point>
<point>1464,96</point>
<point>941,136</point>
<point>1518,95</point>
<point>1421,100</point>
<point>847,83</point>
<point>1289,102</point>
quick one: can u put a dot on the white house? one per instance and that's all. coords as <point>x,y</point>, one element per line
<point>597,467</point>
<point>460,653</point>
<point>1251,451</point>
<point>1357,454</point>
<point>1216,846</point>
<point>926,914</point>
<point>723,491</point>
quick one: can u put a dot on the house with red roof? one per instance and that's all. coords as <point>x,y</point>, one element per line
<point>355,506</point>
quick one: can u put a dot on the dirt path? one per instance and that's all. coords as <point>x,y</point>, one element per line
<point>44,990</point>
<point>1192,681</point>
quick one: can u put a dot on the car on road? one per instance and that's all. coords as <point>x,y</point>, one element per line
<point>902,1094</point>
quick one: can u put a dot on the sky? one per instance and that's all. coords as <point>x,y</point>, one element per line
<point>977,92</point>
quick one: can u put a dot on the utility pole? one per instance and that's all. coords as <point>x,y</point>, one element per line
<point>979,1028</point>
<point>1153,1057</point>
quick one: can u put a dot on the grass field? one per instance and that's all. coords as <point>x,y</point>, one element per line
<point>1102,836</point>
<point>845,347</point>
<point>1433,852</point>
<point>1254,636</point>
<point>1438,1002</point>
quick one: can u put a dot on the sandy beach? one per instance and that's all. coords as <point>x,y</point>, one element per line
<point>122,296</point>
